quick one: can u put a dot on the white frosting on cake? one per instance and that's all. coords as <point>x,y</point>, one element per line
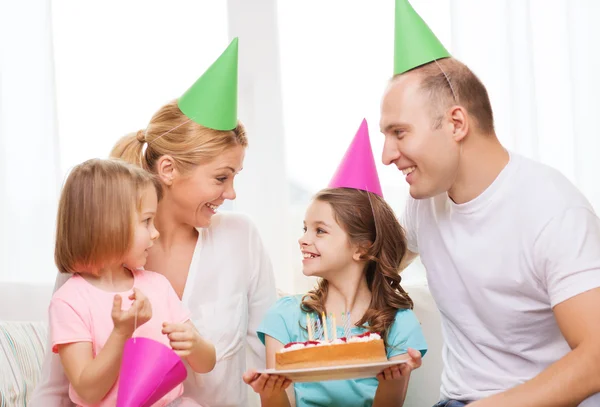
<point>293,347</point>
<point>371,337</point>
<point>364,338</point>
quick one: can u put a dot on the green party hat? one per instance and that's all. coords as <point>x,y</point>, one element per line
<point>212,100</point>
<point>414,42</point>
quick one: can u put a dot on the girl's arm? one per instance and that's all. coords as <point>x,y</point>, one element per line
<point>271,387</point>
<point>187,343</point>
<point>92,378</point>
<point>393,384</point>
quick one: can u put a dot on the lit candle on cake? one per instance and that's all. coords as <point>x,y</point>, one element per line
<point>309,327</point>
<point>325,326</point>
<point>333,328</point>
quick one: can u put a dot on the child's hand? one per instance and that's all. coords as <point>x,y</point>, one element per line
<point>402,371</point>
<point>397,372</point>
<point>267,385</point>
<point>182,337</point>
<point>415,360</point>
<point>137,315</point>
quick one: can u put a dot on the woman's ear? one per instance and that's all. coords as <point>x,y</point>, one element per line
<point>165,169</point>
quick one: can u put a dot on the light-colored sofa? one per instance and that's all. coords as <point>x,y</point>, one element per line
<point>23,333</point>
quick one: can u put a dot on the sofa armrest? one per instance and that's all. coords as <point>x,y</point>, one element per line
<point>22,347</point>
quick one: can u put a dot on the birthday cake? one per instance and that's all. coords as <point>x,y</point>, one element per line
<point>360,349</point>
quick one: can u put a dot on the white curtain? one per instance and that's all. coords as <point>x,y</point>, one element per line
<point>29,175</point>
<point>309,72</point>
<point>538,59</point>
<point>74,77</point>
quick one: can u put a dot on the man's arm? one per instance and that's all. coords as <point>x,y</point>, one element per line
<point>407,259</point>
<point>574,377</point>
<point>408,220</point>
<point>567,259</point>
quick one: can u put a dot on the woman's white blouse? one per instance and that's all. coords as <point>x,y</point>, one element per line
<point>229,288</point>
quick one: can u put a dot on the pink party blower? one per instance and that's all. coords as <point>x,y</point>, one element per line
<point>149,370</point>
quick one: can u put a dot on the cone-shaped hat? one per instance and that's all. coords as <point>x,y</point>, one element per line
<point>414,42</point>
<point>212,99</point>
<point>357,169</point>
<point>149,370</point>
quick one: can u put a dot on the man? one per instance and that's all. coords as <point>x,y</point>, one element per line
<point>511,247</point>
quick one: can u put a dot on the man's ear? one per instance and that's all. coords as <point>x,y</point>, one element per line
<point>459,122</point>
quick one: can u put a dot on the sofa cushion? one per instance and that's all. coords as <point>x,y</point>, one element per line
<point>424,384</point>
<point>22,347</point>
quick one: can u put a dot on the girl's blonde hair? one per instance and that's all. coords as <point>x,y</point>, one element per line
<point>172,133</point>
<point>95,222</point>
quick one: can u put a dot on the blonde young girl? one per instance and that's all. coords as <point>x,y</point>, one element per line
<point>105,227</point>
<point>354,243</point>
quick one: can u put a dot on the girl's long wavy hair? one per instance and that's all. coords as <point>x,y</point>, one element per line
<point>371,224</point>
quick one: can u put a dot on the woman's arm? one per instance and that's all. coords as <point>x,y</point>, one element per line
<point>262,294</point>
<point>53,386</point>
<point>393,384</point>
<point>187,343</point>
<point>183,336</point>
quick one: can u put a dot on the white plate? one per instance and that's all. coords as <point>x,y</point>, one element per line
<point>320,374</point>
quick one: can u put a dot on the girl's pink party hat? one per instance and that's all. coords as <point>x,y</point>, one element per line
<point>357,169</point>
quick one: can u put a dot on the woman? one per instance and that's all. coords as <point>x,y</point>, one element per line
<point>216,262</point>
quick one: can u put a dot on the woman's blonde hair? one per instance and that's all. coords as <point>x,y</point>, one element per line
<point>372,225</point>
<point>96,213</point>
<point>172,133</point>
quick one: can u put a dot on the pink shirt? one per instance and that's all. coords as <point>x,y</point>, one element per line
<point>80,312</point>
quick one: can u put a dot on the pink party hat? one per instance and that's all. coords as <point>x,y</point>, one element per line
<point>357,169</point>
<point>149,370</point>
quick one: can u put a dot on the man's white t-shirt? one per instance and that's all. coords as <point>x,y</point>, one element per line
<point>496,266</point>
